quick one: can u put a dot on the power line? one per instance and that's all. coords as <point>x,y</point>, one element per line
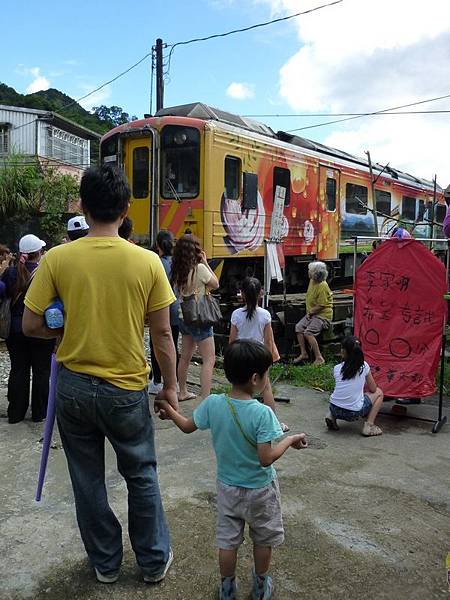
<point>369,114</point>
<point>381,114</point>
<point>244,29</point>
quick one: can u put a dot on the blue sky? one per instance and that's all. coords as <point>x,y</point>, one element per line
<point>76,50</point>
<point>347,58</point>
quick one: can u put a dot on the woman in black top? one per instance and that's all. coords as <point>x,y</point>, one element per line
<point>26,354</point>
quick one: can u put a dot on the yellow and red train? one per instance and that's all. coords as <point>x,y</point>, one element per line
<point>197,168</point>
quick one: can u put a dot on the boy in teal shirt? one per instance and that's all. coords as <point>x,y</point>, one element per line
<point>242,430</point>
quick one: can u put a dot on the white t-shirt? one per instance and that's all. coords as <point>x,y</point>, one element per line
<point>349,393</point>
<point>251,329</point>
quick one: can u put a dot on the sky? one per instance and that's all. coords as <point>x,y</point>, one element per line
<point>356,56</point>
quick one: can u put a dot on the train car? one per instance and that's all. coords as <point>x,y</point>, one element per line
<point>199,169</point>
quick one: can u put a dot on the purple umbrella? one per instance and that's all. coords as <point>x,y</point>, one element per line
<point>48,430</point>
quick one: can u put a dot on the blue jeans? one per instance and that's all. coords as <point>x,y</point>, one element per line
<point>89,410</point>
<point>351,415</point>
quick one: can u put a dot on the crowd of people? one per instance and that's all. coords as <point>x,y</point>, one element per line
<point>103,376</point>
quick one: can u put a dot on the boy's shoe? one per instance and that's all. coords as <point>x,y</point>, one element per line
<point>154,388</point>
<point>262,587</point>
<point>228,588</point>
<point>110,577</point>
<point>160,576</point>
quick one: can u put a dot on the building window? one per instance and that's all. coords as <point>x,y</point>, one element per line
<point>282,177</point>
<point>383,201</point>
<point>67,147</point>
<point>355,199</point>
<point>331,194</point>
<point>141,172</point>
<point>440,211</point>
<point>408,208</point>
<point>232,177</point>
<point>4,139</point>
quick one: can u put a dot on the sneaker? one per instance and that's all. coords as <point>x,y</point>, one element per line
<point>262,587</point>
<point>228,588</point>
<point>154,388</point>
<point>160,576</point>
<point>110,577</point>
<point>370,429</point>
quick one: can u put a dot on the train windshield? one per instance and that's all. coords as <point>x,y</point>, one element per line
<point>180,162</point>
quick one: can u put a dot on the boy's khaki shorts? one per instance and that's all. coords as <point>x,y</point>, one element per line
<point>259,507</point>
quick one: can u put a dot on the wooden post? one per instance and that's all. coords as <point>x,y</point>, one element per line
<point>159,75</point>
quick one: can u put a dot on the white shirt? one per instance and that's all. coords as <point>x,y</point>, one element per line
<point>349,393</point>
<point>251,329</point>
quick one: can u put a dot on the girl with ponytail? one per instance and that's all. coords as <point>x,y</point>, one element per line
<point>348,401</point>
<point>252,322</point>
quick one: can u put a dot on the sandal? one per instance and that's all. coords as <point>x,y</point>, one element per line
<point>370,429</point>
<point>188,397</point>
<point>299,360</point>
<point>331,423</point>
<point>284,428</point>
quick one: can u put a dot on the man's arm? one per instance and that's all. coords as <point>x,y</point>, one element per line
<point>268,455</point>
<point>161,334</point>
<point>33,325</point>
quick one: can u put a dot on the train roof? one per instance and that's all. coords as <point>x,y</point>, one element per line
<point>204,112</point>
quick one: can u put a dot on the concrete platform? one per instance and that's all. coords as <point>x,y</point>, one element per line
<point>364,518</point>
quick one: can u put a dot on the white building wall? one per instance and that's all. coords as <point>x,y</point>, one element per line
<point>22,133</point>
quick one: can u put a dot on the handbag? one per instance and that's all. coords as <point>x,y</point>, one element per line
<point>5,317</point>
<point>200,310</point>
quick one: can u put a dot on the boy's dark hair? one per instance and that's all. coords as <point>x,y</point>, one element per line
<point>244,358</point>
<point>104,193</point>
<point>126,228</point>
<point>354,360</point>
<point>77,234</point>
<point>251,288</point>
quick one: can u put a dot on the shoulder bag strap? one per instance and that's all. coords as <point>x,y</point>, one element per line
<point>238,423</point>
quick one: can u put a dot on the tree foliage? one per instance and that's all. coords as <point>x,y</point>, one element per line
<point>114,115</point>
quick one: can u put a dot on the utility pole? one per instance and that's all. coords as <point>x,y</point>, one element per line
<point>159,75</point>
<point>433,209</point>
<point>374,201</point>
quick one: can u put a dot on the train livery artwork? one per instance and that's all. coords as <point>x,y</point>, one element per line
<point>198,169</point>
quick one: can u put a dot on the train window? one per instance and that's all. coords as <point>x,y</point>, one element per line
<point>420,210</point>
<point>409,208</point>
<point>331,194</point>
<point>232,177</point>
<point>282,177</point>
<point>355,199</point>
<point>180,162</point>
<point>383,200</point>
<point>141,172</point>
<point>439,213</point>
<point>109,149</point>
<point>250,196</point>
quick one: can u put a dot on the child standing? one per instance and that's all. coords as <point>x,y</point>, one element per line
<point>252,322</point>
<point>247,488</point>
<point>348,401</point>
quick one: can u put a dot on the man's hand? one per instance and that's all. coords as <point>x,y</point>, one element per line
<point>299,441</point>
<point>164,398</point>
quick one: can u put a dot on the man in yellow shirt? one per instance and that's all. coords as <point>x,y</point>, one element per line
<point>108,287</point>
<point>319,312</point>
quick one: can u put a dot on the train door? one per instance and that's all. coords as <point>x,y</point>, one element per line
<point>138,155</point>
<point>328,206</point>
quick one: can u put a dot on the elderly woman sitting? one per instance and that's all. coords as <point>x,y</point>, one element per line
<point>319,311</point>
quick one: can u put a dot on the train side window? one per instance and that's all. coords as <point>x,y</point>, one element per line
<point>409,208</point>
<point>282,177</point>
<point>383,202</point>
<point>331,194</point>
<point>356,199</point>
<point>232,177</point>
<point>440,211</point>
<point>420,210</point>
<point>250,196</point>
<point>141,172</point>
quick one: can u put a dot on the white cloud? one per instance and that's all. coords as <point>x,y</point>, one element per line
<point>96,99</point>
<point>364,56</point>
<point>240,91</point>
<point>39,82</point>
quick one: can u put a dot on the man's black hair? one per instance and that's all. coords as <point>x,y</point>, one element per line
<point>104,193</point>
<point>77,234</point>
<point>244,358</point>
<point>126,228</point>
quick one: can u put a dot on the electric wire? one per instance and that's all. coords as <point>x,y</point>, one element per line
<point>381,114</point>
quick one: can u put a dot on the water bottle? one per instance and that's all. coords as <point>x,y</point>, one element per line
<point>54,315</point>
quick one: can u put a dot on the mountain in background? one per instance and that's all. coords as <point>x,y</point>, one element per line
<point>100,120</point>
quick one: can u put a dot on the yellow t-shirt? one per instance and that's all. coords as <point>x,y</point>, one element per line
<point>107,286</point>
<point>319,294</point>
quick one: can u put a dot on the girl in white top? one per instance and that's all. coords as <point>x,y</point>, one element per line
<point>251,322</point>
<point>348,400</point>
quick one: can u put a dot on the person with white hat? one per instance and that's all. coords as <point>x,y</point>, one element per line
<point>26,354</point>
<point>77,228</point>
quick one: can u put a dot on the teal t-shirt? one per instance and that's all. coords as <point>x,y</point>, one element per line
<point>237,460</point>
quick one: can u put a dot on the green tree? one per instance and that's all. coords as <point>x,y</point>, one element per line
<point>113,115</point>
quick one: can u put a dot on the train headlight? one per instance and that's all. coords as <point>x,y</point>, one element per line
<point>180,138</point>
